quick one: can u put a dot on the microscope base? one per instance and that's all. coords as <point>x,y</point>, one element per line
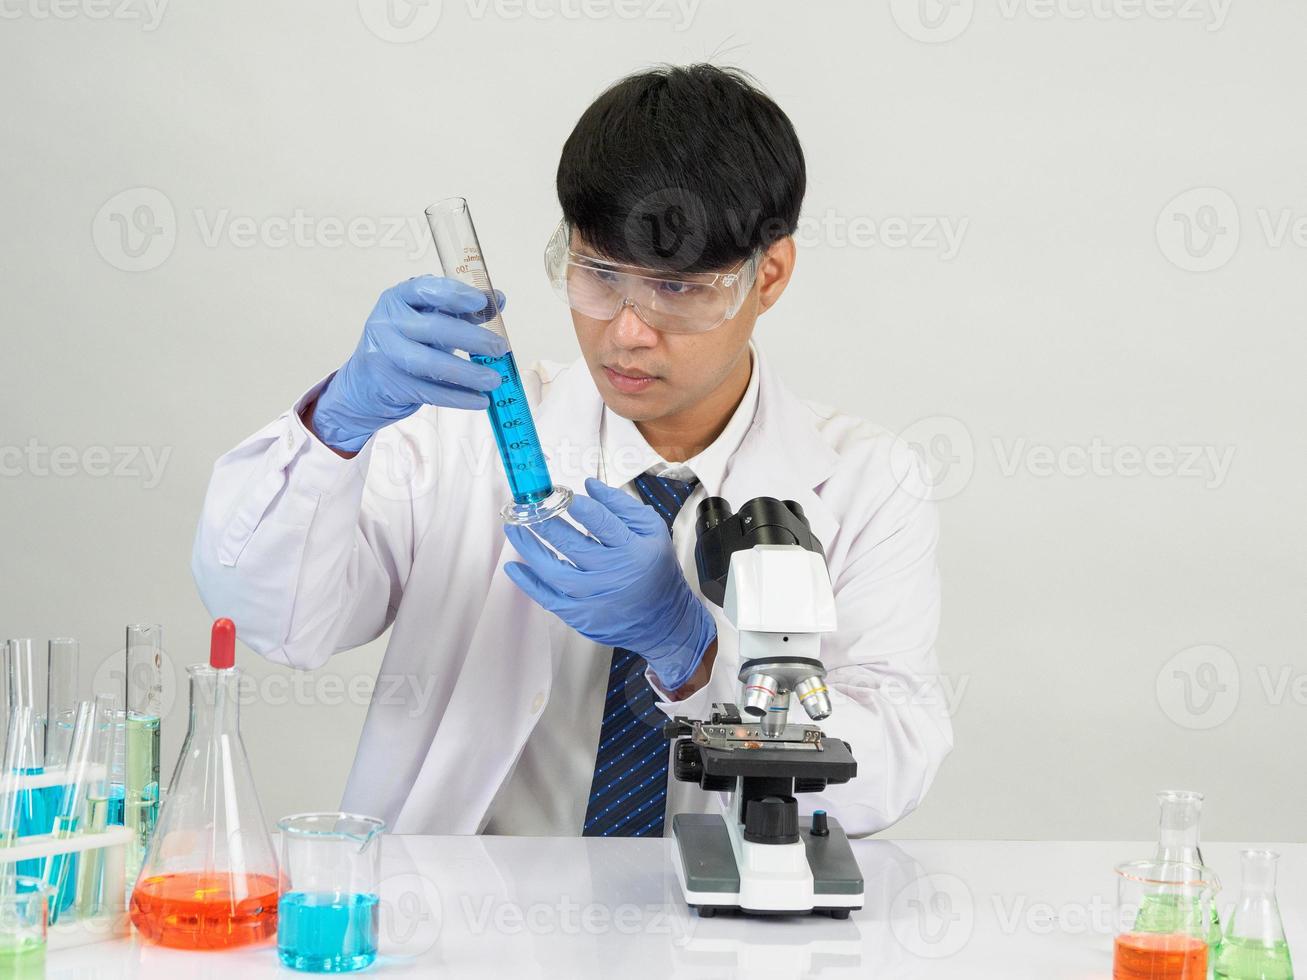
<point>710,879</point>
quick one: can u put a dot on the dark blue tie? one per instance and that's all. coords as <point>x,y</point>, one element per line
<point>628,793</point>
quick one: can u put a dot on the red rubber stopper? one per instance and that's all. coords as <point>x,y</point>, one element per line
<point>222,644</point>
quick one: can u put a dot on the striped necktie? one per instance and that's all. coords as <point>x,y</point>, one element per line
<point>628,793</point>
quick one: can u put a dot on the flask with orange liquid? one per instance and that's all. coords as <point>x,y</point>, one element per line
<point>210,880</point>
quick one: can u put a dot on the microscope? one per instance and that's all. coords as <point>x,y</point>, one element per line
<point>767,570</point>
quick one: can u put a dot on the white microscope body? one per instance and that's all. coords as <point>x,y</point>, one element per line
<point>757,856</point>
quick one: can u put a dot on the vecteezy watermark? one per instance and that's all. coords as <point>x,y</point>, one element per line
<point>1198,688</point>
<point>938,21</point>
<point>679,13</point>
<point>304,230</point>
<point>944,457</point>
<point>111,675</point>
<point>933,916</point>
<point>1201,229</point>
<point>400,21</point>
<point>148,12</point>
<point>931,690</point>
<point>1198,230</point>
<point>942,460</point>
<point>563,917</point>
<point>135,230</point>
<point>36,459</point>
<point>939,233</point>
<point>406,21</point>
<point>410,914</point>
<point>1211,464</point>
<point>1017,914</point>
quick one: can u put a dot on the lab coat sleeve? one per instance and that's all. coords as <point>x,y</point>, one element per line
<point>289,550</point>
<point>886,693</point>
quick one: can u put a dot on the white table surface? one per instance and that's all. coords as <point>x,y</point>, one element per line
<point>492,907</point>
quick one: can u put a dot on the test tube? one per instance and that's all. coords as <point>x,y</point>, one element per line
<point>535,497</point>
<point>61,700</point>
<point>99,792</point>
<point>27,704</point>
<point>28,688</point>
<point>61,869</point>
<point>61,709</point>
<point>144,704</point>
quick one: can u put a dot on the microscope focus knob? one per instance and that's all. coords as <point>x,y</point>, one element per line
<point>688,766</point>
<point>820,824</point>
<point>772,820</point>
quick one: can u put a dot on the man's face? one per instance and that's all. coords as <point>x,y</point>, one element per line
<point>644,374</point>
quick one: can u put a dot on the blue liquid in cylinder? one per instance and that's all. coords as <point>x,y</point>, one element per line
<point>327,932</point>
<point>515,433</point>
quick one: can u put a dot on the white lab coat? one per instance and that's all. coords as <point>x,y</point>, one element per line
<point>312,554</point>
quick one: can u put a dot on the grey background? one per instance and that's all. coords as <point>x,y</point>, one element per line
<point>1079,604</point>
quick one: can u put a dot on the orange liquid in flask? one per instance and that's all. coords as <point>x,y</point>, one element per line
<point>1159,956</point>
<point>206,910</point>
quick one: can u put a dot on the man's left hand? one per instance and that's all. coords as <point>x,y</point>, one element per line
<point>623,586</point>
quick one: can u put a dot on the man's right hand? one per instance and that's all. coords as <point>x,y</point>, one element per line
<point>405,360</point>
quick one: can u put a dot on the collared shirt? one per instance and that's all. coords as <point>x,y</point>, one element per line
<point>547,792</point>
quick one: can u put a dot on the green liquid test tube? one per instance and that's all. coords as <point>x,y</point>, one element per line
<point>144,706</point>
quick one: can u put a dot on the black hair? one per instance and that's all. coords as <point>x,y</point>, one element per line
<point>686,169</point>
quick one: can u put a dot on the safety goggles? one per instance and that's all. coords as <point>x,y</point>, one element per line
<point>689,303</point>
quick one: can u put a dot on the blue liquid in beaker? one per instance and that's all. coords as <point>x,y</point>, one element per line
<point>327,932</point>
<point>515,433</point>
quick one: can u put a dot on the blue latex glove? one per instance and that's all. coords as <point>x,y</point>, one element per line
<point>405,360</point>
<point>624,589</point>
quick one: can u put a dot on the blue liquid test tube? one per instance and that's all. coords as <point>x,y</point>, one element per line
<point>535,496</point>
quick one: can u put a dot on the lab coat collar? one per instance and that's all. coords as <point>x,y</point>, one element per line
<point>780,455</point>
<point>627,454</point>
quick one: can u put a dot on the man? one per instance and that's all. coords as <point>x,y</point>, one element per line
<point>523,692</point>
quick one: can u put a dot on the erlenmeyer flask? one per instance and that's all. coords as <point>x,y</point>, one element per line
<point>210,877</point>
<point>1177,843</point>
<point>1254,947</point>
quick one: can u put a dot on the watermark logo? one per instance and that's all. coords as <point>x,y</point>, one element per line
<point>410,915</point>
<point>943,447</point>
<point>1198,230</point>
<point>933,916</point>
<point>941,234</point>
<point>1208,463</point>
<point>679,13</point>
<point>1198,688</point>
<point>932,21</point>
<point>111,675</point>
<point>135,230</point>
<point>37,459</point>
<point>148,12</point>
<point>400,21</point>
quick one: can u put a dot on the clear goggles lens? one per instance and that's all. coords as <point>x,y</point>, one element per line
<point>686,304</point>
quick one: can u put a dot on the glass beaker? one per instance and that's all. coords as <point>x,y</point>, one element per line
<point>1163,914</point>
<point>1254,947</point>
<point>209,880</point>
<point>328,918</point>
<point>24,908</point>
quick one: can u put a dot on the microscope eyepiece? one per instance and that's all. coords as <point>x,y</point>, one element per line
<point>712,511</point>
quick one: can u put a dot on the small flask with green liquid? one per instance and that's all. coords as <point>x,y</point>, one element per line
<point>1254,947</point>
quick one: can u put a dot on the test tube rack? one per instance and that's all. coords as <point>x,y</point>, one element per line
<point>112,920</point>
